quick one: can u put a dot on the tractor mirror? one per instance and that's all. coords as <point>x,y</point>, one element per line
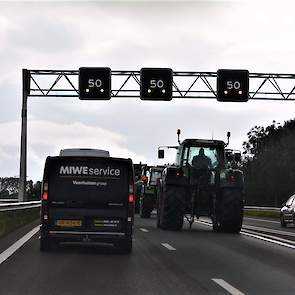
<point>161,154</point>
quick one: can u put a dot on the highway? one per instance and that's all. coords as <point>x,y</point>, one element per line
<point>163,262</point>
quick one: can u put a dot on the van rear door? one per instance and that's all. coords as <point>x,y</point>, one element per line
<point>88,194</point>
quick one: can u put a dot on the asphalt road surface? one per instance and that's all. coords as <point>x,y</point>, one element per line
<point>187,262</point>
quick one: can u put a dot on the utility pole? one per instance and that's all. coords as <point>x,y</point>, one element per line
<point>23,148</point>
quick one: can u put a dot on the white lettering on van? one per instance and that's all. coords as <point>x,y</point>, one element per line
<point>64,170</point>
<point>85,170</point>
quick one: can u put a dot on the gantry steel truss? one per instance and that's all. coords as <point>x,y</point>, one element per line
<point>263,86</point>
<point>52,83</point>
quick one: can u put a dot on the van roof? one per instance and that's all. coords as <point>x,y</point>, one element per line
<point>84,152</point>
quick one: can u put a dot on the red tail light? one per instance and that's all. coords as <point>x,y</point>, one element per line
<point>131,198</point>
<point>45,196</point>
<point>232,178</point>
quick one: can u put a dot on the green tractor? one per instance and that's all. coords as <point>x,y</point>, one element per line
<point>148,196</point>
<point>202,182</point>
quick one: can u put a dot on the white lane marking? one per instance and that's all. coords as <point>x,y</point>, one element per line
<point>269,230</point>
<point>268,240</point>
<point>203,222</point>
<point>169,247</point>
<point>264,220</point>
<point>144,230</point>
<point>271,239</point>
<point>14,247</point>
<point>229,288</point>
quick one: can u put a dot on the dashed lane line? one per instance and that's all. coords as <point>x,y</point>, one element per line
<point>169,247</point>
<point>14,247</point>
<point>144,230</point>
<point>228,287</point>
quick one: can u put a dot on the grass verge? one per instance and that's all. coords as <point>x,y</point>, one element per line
<point>11,220</point>
<point>262,213</point>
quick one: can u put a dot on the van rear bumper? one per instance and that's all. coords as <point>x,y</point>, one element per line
<point>85,236</point>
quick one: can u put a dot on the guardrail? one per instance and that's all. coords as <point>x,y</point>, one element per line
<point>19,206</point>
<point>273,209</point>
<point>34,204</point>
<point>8,201</point>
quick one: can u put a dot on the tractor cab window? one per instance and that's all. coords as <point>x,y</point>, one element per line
<point>155,175</point>
<point>211,153</point>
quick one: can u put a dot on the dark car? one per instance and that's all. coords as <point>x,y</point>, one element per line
<point>288,212</point>
<point>87,199</point>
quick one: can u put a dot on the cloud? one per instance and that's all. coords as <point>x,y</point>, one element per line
<point>47,138</point>
<point>184,36</point>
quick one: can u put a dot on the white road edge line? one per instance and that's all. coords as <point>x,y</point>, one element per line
<point>264,220</point>
<point>169,247</point>
<point>269,230</point>
<point>229,288</point>
<point>144,230</point>
<point>14,247</point>
<point>270,240</point>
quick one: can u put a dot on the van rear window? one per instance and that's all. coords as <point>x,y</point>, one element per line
<point>90,180</point>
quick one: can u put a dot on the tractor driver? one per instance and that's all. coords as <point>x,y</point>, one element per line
<point>201,161</point>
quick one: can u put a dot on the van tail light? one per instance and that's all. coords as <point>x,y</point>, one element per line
<point>44,207</point>
<point>45,192</point>
<point>45,196</point>
<point>131,198</point>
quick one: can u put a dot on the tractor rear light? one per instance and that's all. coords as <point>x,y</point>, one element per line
<point>131,188</point>
<point>179,173</point>
<point>232,179</point>
<point>45,217</point>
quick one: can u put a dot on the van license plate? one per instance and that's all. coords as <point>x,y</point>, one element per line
<point>69,223</point>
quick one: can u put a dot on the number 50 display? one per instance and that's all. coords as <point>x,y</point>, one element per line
<point>233,85</point>
<point>156,84</point>
<point>95,83</point>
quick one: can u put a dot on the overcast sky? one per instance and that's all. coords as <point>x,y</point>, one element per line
<point>199,36</point>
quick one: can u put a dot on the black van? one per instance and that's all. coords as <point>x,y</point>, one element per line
<point>87,199</point>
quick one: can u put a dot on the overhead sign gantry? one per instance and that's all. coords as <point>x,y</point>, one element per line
<point>157,84</point>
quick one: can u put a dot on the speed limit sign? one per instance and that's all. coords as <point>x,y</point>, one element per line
<point>94,83</point>
<point>156,84</point>
<point>233,85</point>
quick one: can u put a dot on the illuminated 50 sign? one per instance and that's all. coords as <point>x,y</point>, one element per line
<point>233,85</point>
<point>156,84</point>
<point>95,83</point>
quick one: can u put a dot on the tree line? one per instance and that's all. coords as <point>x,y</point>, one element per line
<point>269,164</point>
<point>9,187</point>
